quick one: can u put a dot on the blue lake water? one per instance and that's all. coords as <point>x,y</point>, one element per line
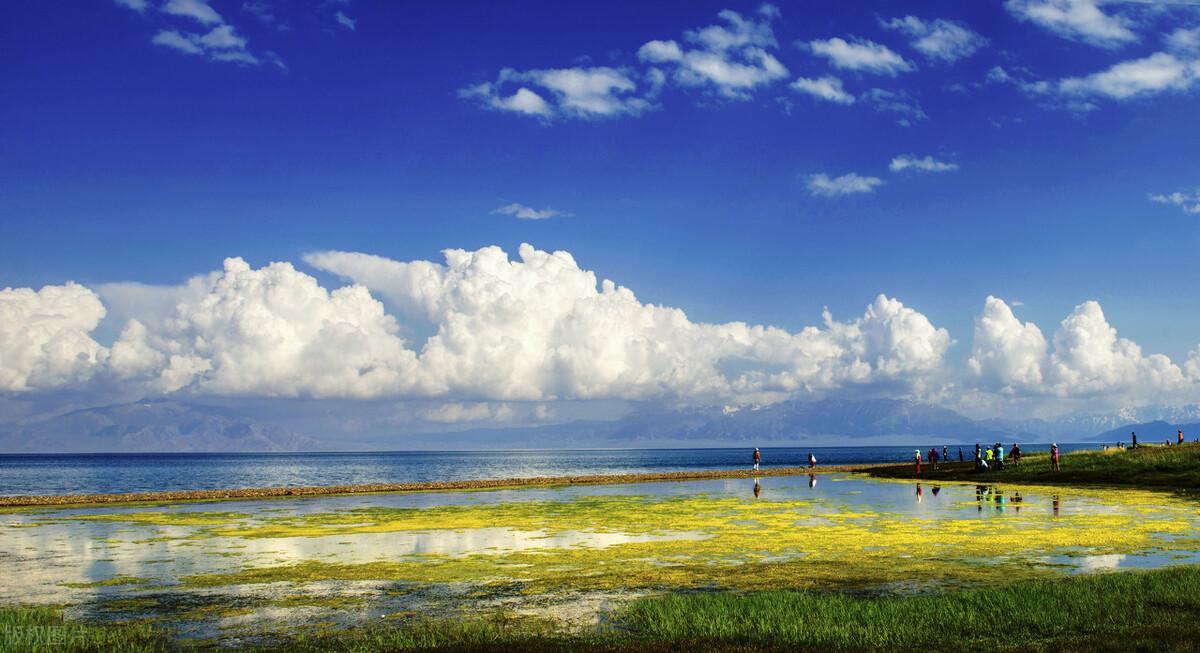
<point>100,473</point>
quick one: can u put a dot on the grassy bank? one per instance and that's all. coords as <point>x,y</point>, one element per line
<point>43,629</point>
<point>1173,467</point>
<point>1148,611</point>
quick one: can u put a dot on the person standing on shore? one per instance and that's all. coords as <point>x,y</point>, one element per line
<point>812,460</point>
<point>1054,456</point>
<point>918,461</point>
<point>934,458</point>
<point>1134,445</point>
<point>1180,441</point>
<point>946,454</point>
<point>757,458</point>
<point>1015,454</point>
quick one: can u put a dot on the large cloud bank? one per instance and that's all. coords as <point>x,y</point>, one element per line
<point>536,328</point>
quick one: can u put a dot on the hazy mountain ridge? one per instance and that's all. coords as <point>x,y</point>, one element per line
<point>152,426</point>
<point>171,426</point>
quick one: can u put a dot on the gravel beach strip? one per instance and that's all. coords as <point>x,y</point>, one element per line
<point>546,481</point>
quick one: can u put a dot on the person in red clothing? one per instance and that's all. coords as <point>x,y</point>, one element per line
<point>918,461</point>
<point>757,458</point>
<point>1054,456</point>
<point>1180,436</point>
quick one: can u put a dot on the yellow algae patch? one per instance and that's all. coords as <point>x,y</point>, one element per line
<point>746,544</point>
<point>159,518</point>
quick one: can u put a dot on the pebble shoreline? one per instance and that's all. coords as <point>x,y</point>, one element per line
<point>541,481</point>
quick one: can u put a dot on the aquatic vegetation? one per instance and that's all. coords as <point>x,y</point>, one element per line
<point>742,545</point>
<point>116,581</point>
<point>158,518</point>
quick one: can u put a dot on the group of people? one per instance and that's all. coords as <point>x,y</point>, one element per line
<point>1134,441</point>
<point>986,458</point>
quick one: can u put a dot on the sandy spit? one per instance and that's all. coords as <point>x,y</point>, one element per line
<point>540,481</point>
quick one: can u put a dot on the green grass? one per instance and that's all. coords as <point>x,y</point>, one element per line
<point>1174,467</point>
<point>1129,611</point>
<point>1152,611</point>
<point>43,629</point>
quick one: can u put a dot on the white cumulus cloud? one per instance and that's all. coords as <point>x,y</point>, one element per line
<point>732,59</point>
<point>1149,75</point>
<point>272,332</point>
<point>1087,359</point>
<point>565,92</point>
<point>45,339</point>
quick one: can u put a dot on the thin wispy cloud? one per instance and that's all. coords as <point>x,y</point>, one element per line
<point>939,40</point>
<point>922,164</point>
<point>900,103</point>
<point>826,88</point>
<point>136,5</point>
<point>345,21</point>
<point>523,212</point>
<point>822,185</point>
<point>860,55</point>
<point>1189,202</point>
<point>196,9</point>
<point>1078,20</point>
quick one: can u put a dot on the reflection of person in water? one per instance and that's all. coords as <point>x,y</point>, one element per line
<point>920,493</point>
<point>998,497</point>
<point>812,480</point>
<point>980,490</point>
<point>1055,501</point>
<point>757,489</point>
<point>1016,501</point>
<point>936,489</point>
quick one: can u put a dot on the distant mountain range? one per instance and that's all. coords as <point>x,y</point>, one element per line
<point>175,426</point>
<point>1158,431</point>
<point>830,421</point>
<point>149,427</point>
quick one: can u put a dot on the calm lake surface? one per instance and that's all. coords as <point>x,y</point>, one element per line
<point>103,473</point>
<point>230,569</point>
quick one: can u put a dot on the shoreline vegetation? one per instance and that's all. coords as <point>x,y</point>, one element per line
<point>431,486</point>
<point>1151,467</point>
<point>1138,610</point>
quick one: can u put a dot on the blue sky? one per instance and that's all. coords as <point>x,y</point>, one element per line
<point>127,158</point>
